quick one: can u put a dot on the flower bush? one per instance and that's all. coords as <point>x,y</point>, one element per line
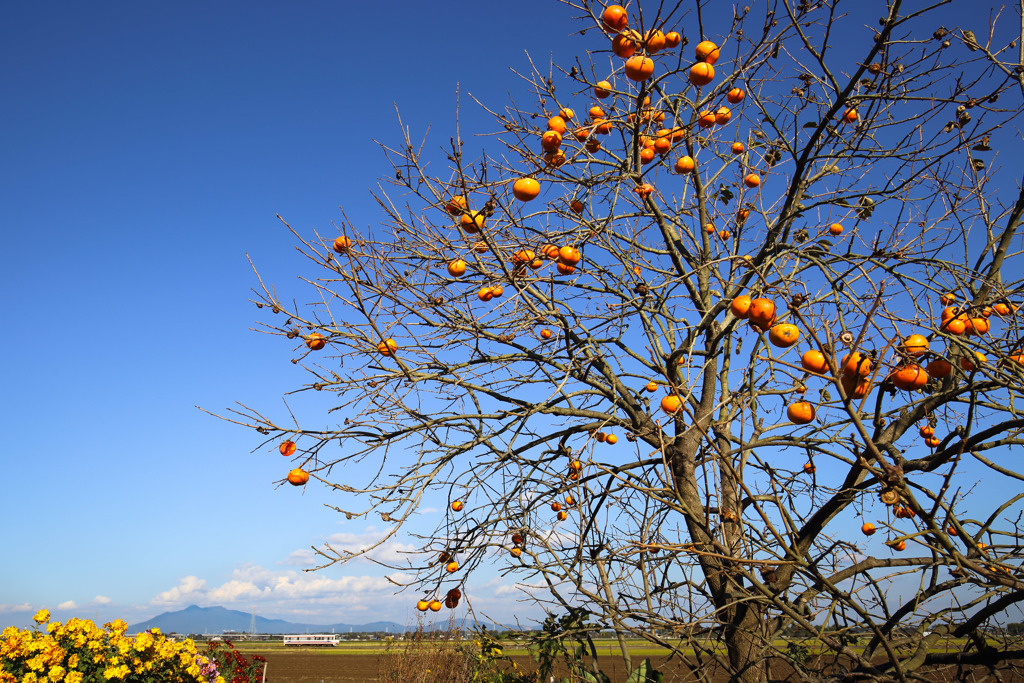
<point>80,652</point>
<point>233,665</point>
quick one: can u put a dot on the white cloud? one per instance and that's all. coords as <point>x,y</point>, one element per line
<point>300,558</point>
<point>101,600</point>
<point>520,589</point>
<point>188,588</point>
<point>67,604</point>
<point>23,607</point>
<point>391,552</point>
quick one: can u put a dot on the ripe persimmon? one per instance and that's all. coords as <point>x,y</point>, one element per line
<point>515,552</point>
<point>287,448</point>
<point>784,335</point>
<point>565,268</point>
<point>752,180</point>
<point>850,116</point>
<point>556,506</point>
<point>551,140</point>
<point>673,40</point>
<point>706,119</point>
<point>835,229</point>
<point>611,440</point>
<point>915,345</point>
<point>909,377</point>
<point>723,115</point>
<point>738,148</point>
<point>623,46</point>
<point>654,41</point>
<point>735,96</point>
<point>423,605</point>
<point>939,367</point>
<point>926,431</point>
<point>485,294</point>
<point>298,477</point>
<point>856,363</point>
<point>701,74</point>
<point>855,387</point>
<point>387,347</point>
<point>567,114</point>
<point>435,605</point>
<point>979,325</point>
<point>761,313</point>
<point>457,268</point>
<point>801,412</point>
<point>639,68</point>
<point>651,387</point>
<point>970,364</point>
<point>740,306</point>
<point>684,164</point>
<point>555,159</point>
<point>562,516</point>
<point>523,256</point>
<point>472,222</point>
<point>602,90</point>
<point>457,505</point>
<point>525,189</point>
<point>557,124</point>
<point>342,244</point>
<point>814,361</point>
<point>707,52</point>
<point>867,528</point>
<point>452,567</point>
<point>545,333</point>
<point>614,18</point>
<point>671,404</point>
<point>455,205</point>
<point>644,191</point>
<point>570,255</point>
<point>315,341</point>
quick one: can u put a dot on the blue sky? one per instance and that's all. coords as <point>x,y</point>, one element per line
<point>146,149</point>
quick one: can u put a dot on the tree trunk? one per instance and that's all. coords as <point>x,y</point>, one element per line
<point>745,643</point>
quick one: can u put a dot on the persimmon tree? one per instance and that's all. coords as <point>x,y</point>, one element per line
<point>718,295</point>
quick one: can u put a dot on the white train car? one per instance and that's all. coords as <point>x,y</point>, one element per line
<point>312,640</point>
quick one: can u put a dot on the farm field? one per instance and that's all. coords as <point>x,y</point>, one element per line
<point>359,661</point>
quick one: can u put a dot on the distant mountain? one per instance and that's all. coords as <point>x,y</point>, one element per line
<point>194,619</point>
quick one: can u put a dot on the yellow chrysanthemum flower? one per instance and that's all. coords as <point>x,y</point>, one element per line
<point>42,616</point>
<point>74,677</point>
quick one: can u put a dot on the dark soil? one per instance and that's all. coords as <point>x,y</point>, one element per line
<point>317,667</point>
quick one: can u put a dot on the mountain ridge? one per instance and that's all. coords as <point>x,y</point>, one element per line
<point>216,619</point>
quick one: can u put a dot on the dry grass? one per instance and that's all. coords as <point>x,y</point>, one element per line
<point>441,657</point>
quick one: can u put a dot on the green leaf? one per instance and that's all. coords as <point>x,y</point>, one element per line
<point>645,673</point>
